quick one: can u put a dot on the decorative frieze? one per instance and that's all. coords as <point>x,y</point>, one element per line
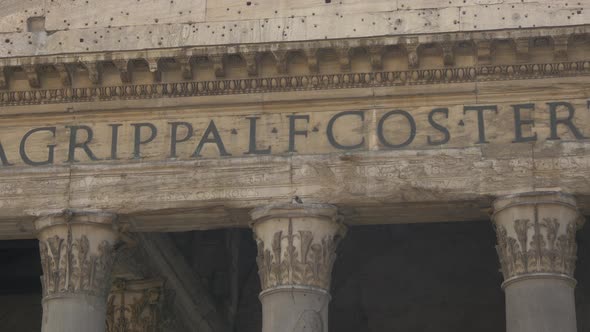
<point>281,58</point>
<point>186,67</point>
<point>448,49</point>
<point>32,73</point>
<point>218,61</point>
<point>375,57</point>
<point>64,72</point>
<point>537,235</point>
<point>94,71</point>
<point>3,78</point>
<point>296,244</point>
<point>522,49</point>
<point>296,83</point>
<point>560,45</point>
<point>483,49</point>
<point>252,60</point>
<point>344,59</point>
<point>124,67</point>
<point>153,66</point>
<point>312,60</point>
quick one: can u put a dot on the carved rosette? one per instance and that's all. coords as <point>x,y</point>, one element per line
<point>536,235</point>
<point>77,253</point>
<point>296,244</point>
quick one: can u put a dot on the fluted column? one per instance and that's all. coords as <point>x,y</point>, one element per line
<point>77,252</point>
<point>537,250</point>
<point>296,251</point>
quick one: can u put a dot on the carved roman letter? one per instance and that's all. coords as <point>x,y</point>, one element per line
<point>381,135</point>
<point>3,158</point>
<point>114,139</point>
<point>84,145</point>
<point>554,120</point>
<point>330,131</point>
<point>443,130</point>
<point>23,150</point>
<point>174,136</point>
<point>252,147</point>
<point>518,123</point>
<point>137,142</point>
<point>293,132</point>
<point>211,130</point>
<point>480,119</point>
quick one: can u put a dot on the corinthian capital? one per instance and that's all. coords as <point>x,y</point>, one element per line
<point>77,253</point>
<point>296,244</point>
<point>135,305</point>
<point>537,235</point>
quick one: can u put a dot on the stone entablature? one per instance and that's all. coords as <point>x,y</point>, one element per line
<point>477,49</point>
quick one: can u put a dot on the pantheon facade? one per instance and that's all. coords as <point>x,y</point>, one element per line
<point>294,166</point>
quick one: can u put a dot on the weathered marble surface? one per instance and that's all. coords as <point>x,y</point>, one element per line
<point>73,27</point>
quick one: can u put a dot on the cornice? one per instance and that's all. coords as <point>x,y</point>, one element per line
<point>481,45</point>
<point>296,83</point>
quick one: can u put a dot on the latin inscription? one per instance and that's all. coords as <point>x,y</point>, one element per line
<point>224,136</point>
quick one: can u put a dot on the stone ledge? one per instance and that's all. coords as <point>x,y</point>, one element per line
<point>525,43</point>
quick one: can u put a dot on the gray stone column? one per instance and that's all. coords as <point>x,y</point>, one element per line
<point>296,251</point>
<point>76,256</point>
<point>537,250</point>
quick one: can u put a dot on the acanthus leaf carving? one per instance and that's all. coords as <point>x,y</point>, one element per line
<point>539,246</point>
<point>70,267</point>
<point>297,258</point>
<point>135,306</point>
